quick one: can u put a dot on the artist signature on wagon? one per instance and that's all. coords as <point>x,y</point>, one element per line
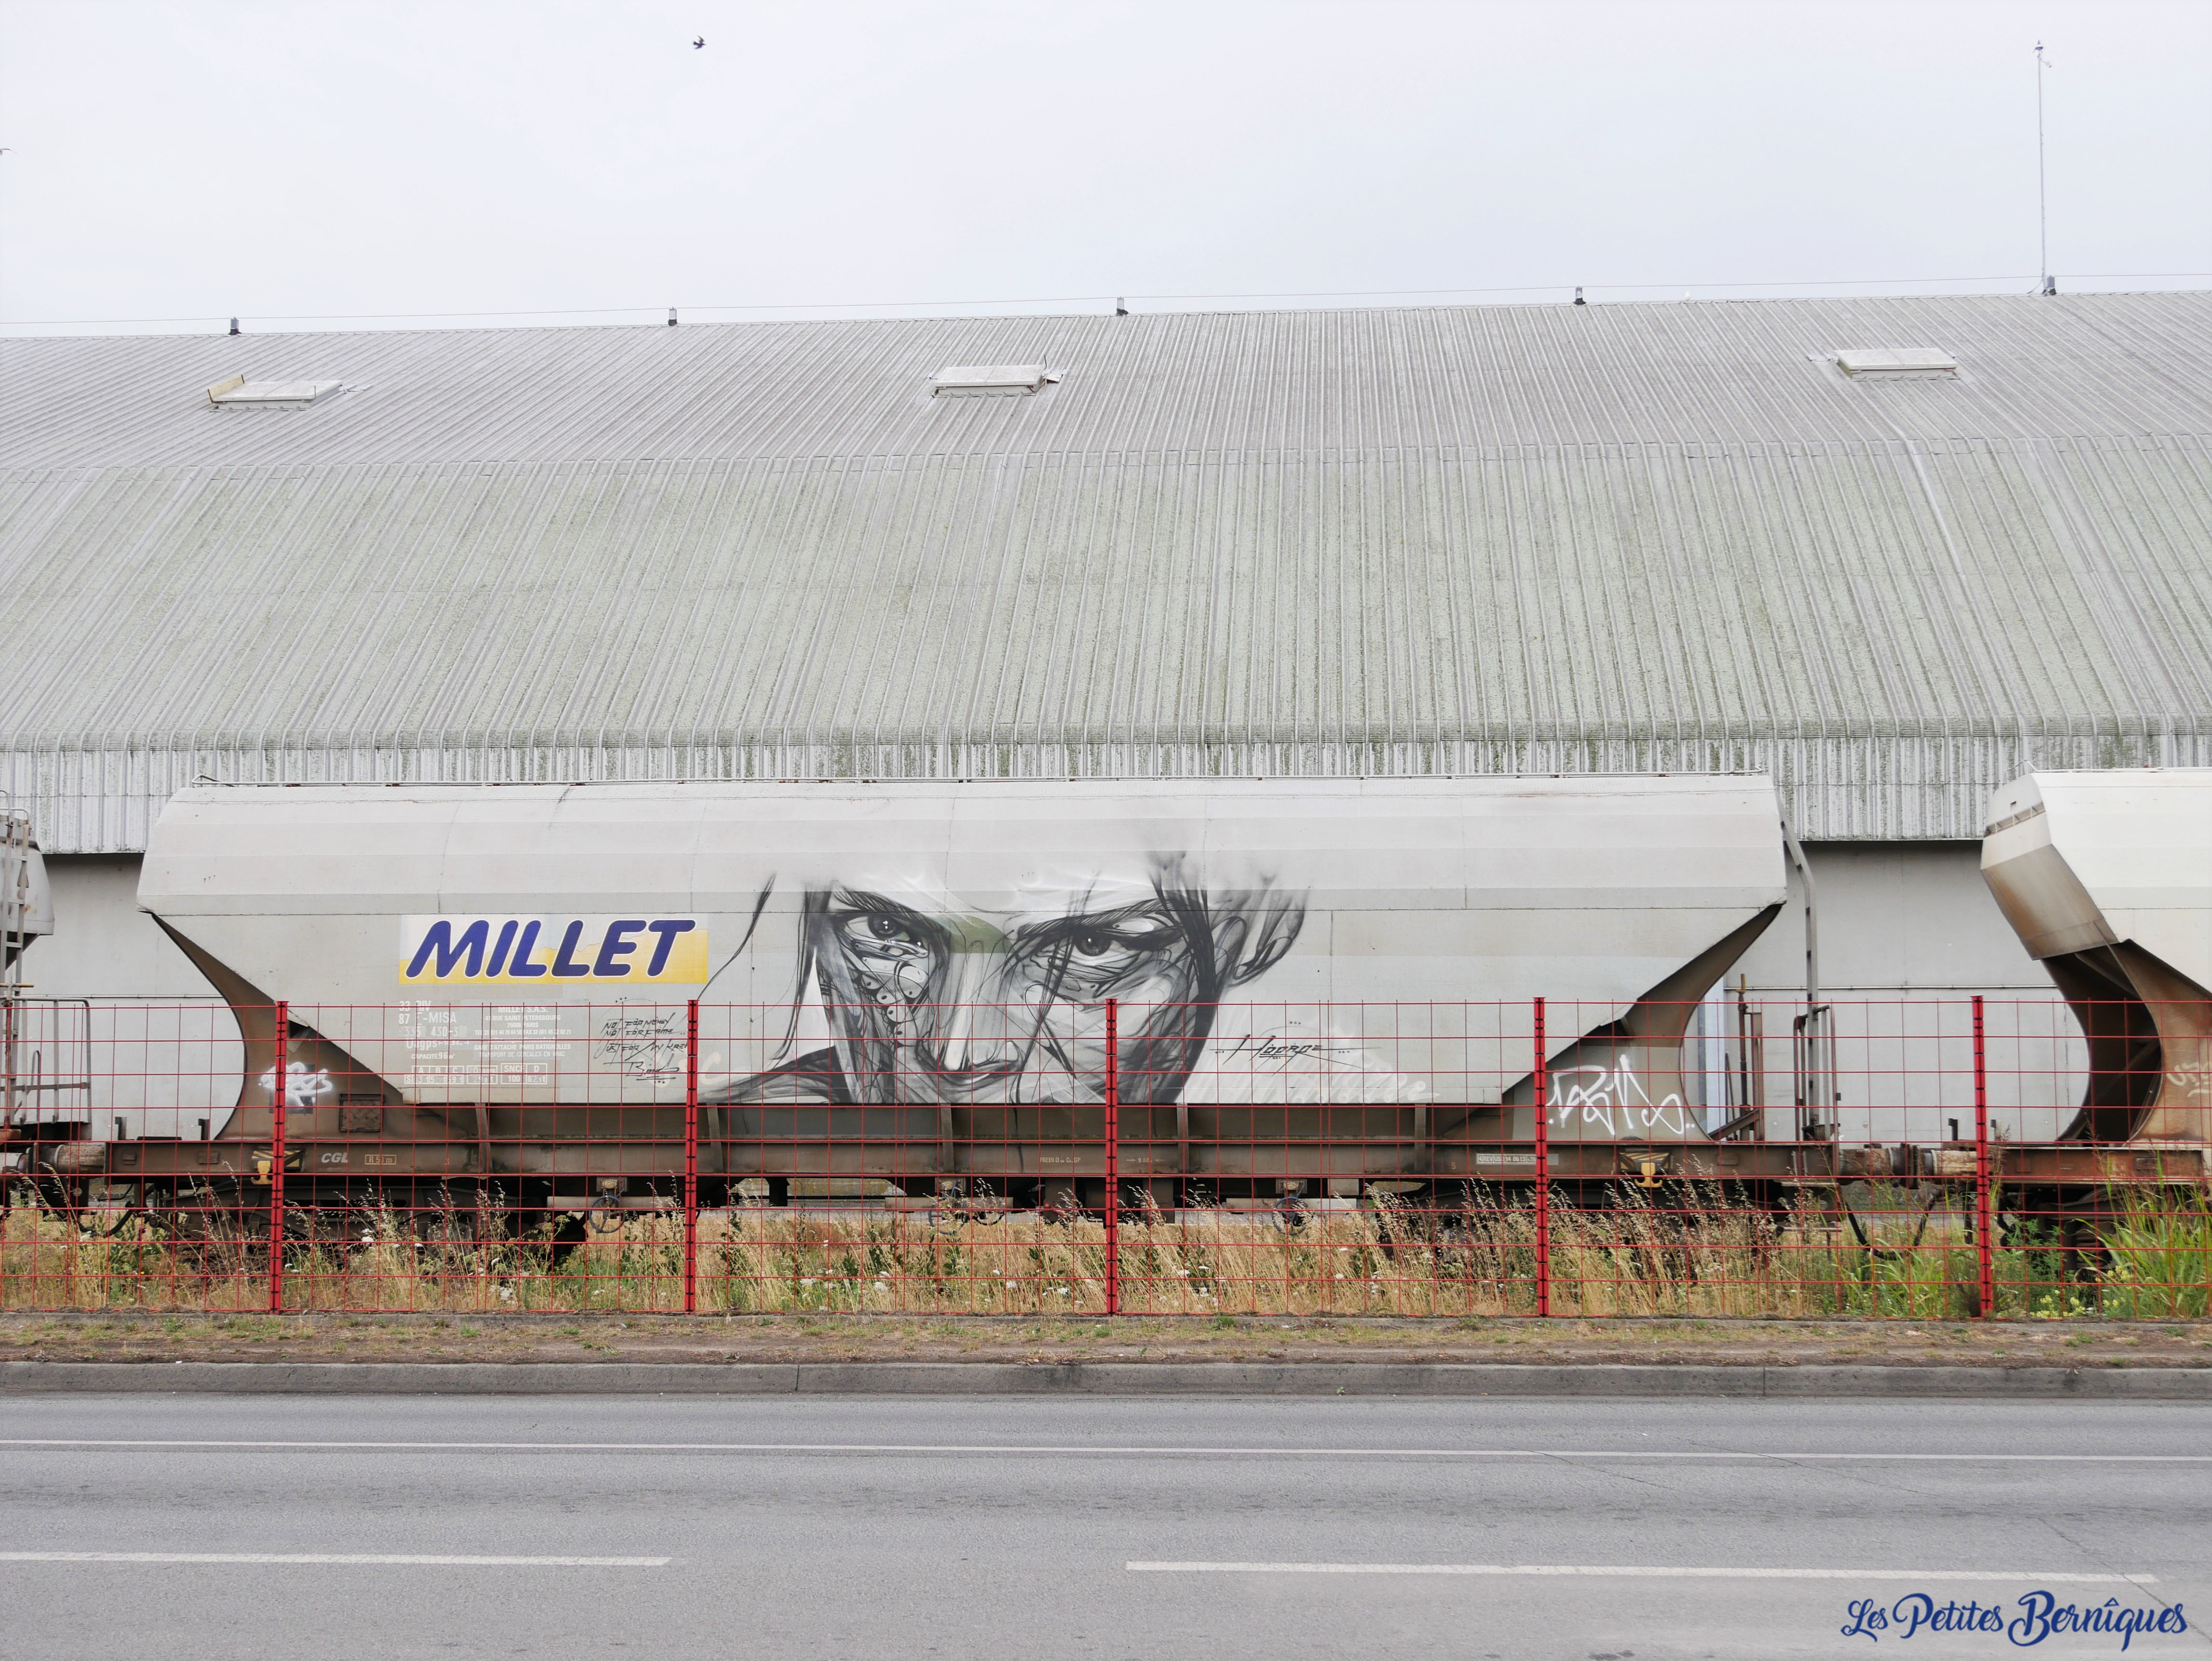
<point>2040,1615</point>
<point>642,1046</point>
<point>1275,1047</point>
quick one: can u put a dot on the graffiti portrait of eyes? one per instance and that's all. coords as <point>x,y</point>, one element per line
<point>893,955</point>
<point>875,928</point>
<point>1100,952</point>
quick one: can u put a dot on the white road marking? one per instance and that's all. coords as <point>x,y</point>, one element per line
<point>368,1559</point>
<point>1620,1570</point>
<point>1860,1457</point>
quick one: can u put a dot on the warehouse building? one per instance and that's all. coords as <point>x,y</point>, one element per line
<point>1893,552</point>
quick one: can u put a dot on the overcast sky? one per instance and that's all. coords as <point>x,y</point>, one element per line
<point>288,160</point>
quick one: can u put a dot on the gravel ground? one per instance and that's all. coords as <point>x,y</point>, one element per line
<point>787,1338</point>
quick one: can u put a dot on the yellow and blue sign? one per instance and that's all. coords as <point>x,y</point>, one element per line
<point>548,952</point>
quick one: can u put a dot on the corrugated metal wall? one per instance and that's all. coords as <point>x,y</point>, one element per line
<point>1195,556</point>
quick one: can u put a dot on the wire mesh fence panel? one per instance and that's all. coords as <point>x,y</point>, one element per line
<point>901,1155</point>
<point>1912,1158</point>
<point>485,1157</point>
<point>2109,1217</point>
<point>118,1193</point>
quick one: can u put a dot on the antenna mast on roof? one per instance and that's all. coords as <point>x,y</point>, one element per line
<point>2042,192</point>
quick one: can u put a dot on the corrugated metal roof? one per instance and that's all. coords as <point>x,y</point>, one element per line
<point>1213,384</point>
<point>1471,539</point>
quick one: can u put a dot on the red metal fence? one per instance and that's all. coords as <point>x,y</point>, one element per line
<point>1921,1159</point>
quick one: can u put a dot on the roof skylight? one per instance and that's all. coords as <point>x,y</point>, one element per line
<point>237,390</point>
<point>1896,363</point>
<point>991,380</point>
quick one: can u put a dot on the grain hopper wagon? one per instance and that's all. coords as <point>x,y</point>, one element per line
<point>901,990</point>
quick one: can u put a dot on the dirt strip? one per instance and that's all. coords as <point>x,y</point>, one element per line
<point>111,1337</point>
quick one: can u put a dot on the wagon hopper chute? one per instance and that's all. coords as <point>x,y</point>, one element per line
<point>2106,878</point>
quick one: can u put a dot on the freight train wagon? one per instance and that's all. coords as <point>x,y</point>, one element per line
<point>902,991</point>
<point>2106,878</point>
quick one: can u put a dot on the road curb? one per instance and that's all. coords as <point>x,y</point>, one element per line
<point>1320,1378</point>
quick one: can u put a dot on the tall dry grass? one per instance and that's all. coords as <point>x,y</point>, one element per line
<point>1682,1251</point>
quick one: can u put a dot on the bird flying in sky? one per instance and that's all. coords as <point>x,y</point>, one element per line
<point>698,43</point>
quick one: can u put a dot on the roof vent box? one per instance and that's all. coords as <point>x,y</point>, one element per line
<point>991,380</point>
<point>236,392</point>
<point>1897,363</point>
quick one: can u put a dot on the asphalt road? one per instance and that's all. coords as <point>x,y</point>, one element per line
<point>726,1528</point>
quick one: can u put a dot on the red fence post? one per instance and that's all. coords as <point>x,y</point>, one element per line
<point>691,1159</point>
<point>1541,1107</point>
<point>1984,1257</point>
<point>280,1097</point>
<point>1113,1156</point>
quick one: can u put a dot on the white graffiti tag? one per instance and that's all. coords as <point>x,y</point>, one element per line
<point>1612,1102</point>
<point>304,1086</point>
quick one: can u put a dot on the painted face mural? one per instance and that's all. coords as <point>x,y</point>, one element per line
<point>934,996</point>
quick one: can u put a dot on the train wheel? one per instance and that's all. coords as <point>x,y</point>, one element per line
<point>37,1188</point>
<point>107,1218</point>
<point>568,1231</point>
<point>541,1225</point>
